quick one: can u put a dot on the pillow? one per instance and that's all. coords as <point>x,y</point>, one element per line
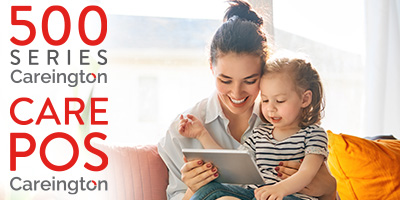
<point>136,173</point>
<point>364,169</point>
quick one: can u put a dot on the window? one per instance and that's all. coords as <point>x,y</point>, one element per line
<point>332,34</point>
<point>158,60</point>
<point>158,65</point>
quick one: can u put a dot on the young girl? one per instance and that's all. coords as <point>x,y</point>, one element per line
<point>292,101</point>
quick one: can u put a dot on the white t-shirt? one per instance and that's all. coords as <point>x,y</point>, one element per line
<point>210,113</point>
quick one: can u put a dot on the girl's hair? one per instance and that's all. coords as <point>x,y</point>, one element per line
<point>304,77</point>
<point>240,33</point>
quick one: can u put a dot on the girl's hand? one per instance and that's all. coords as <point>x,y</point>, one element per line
<point>191,127</point>
<point>323,184</point>
<point>270,192</point>
<point>196,174</point>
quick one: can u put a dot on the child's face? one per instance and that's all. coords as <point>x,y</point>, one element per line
<point>281,104</point>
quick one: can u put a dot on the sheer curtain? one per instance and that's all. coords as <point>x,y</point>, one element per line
<point>382,106</point>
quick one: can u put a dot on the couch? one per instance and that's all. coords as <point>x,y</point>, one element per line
<point>364,169</point>
<point>136,173</point>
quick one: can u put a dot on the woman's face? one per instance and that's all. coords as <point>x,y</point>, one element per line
<point>237,80</point>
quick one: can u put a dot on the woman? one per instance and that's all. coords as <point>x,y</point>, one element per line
<point>237,56</point>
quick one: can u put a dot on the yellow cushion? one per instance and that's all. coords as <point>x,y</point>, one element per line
<point>365,169</point>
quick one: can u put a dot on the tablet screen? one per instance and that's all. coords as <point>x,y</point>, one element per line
<point>234,166</point>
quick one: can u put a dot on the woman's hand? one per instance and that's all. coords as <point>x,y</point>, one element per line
<point>196,173</point>
<point>323,185</point>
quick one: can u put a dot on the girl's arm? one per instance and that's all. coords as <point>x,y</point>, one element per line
<point>308,169</point>
<point>193,128</point>
<point>296,182</point>
<point>322,186</point>
<point>207,141</point>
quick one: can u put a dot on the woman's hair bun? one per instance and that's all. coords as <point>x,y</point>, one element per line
<point>242,10</point>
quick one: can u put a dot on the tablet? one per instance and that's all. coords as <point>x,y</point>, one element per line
<point>234,166</point>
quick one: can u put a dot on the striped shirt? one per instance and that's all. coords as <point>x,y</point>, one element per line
<point>269,152</point>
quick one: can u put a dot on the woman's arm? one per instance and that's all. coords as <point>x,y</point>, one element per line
<point>329,184</point>
<point>306,173</point>
<point>296,182</point>
<point>170,150</point>
<point>188,194</point>
<point>323,185</point>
